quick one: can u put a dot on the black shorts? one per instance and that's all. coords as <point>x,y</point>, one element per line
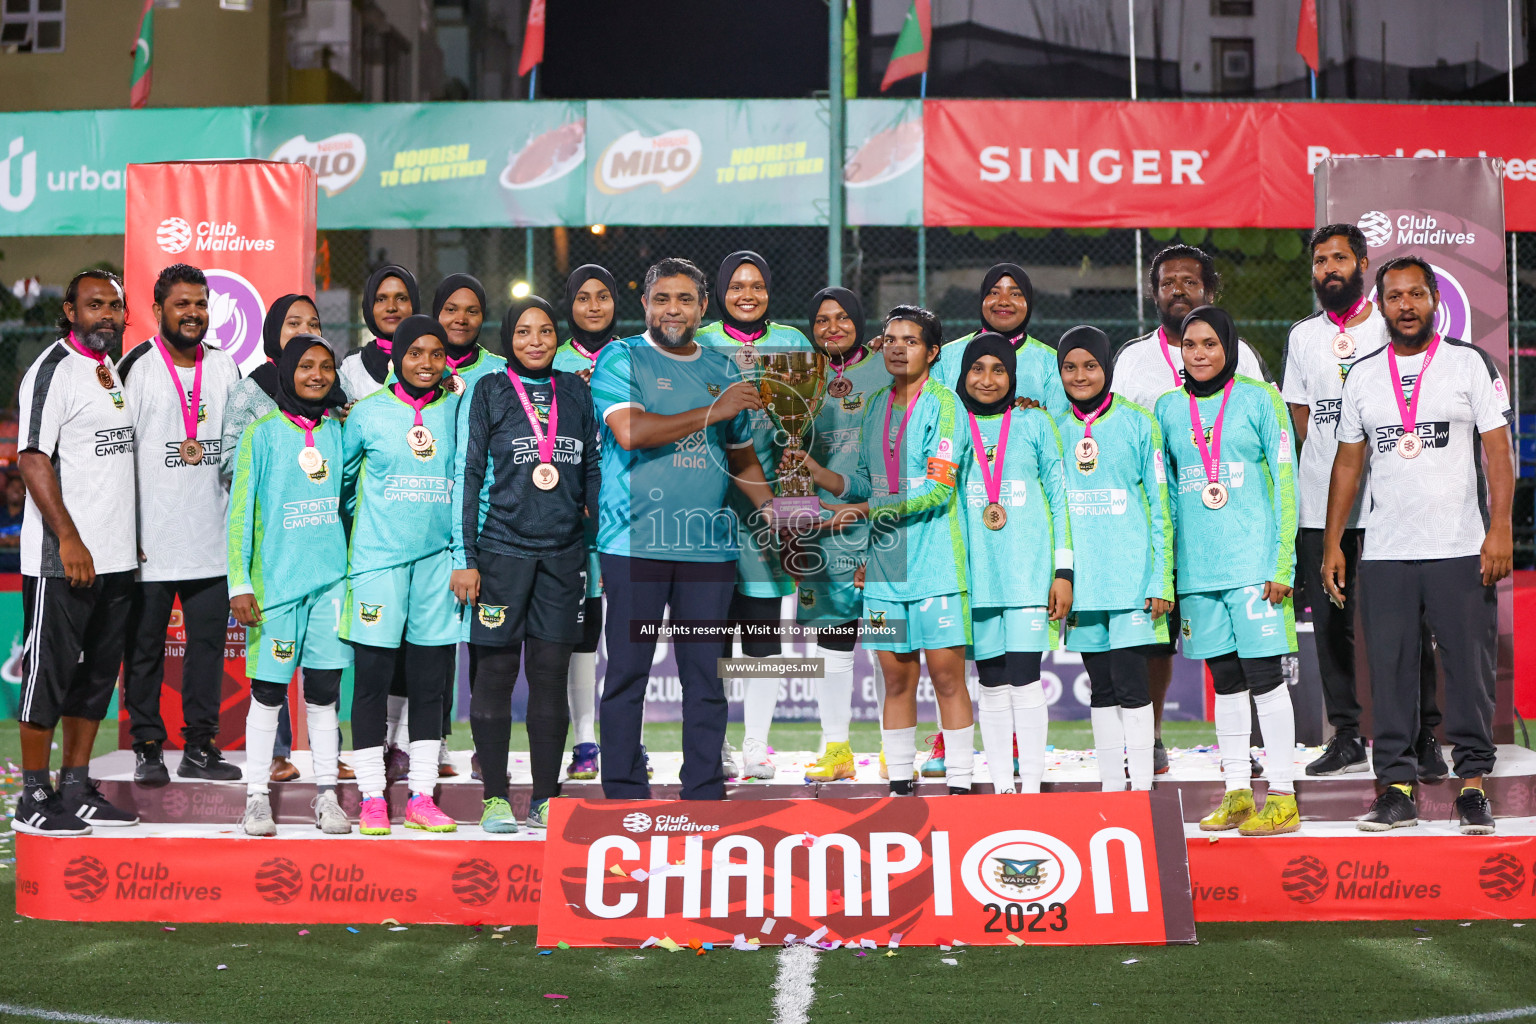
<point>592,629</point>
<point>74,646</point>
<point>1170,648</point>
<point>545,598</point>
<point>758,610</point>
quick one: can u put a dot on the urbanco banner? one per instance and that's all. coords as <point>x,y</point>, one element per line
<point>1053,869</point>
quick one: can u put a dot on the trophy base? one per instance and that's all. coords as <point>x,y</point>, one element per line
<point>796,511</point>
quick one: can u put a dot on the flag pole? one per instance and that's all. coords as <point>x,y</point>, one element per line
<point>835,154</point>
<point>533,76</point>
<point>922,228</point>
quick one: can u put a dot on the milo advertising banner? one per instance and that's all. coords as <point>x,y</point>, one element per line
<point>883,165</point>
<point>417,165</point>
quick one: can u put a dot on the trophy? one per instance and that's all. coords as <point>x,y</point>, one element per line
<point>793,386</point>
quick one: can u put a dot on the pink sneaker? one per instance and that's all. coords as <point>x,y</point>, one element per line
<point>422,813</point>
<point>373,819</point>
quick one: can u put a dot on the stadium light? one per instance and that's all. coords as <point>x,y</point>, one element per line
<point>599,229</point>
<point>520,289</point>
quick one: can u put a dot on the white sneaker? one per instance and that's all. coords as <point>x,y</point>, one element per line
<point>329,817</point>
<point>443,757</point>
<point>258,819</point>
<point>755,763</point>
<point>727,759</point>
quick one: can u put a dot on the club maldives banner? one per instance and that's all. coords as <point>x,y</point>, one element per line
<point>432,165</point>
<point>1059,869</point>
<point>1124,164</point>
<point>250,226</point>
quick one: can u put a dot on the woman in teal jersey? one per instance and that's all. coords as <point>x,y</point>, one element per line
<point>916,589</point>
<point>1019,549</point>
<point>1228,447</point>
<point>1122,539</point>
<point>591,314</point>
<point>389,296</point>
<point>398,483</point>
<point>287,582</point>
<point>1007,304</point>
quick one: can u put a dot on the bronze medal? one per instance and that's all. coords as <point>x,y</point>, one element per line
<point>104,376</point>
<point>1409,446</point>
<point>456,384</point>
<point>310,460</point>
<point>191,451</point>
<point>545,476</point>
<point>1087,450</point>
<point>1343,345</point>
<point>994,516</point>
<point>420,439</point>
<point>1214,495</point>
<point>840,388</point>
<point>746,357</point>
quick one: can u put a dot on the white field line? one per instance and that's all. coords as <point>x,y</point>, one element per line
<point>795,988</point>
<point>69,1018</point>
<point>1477,1018</point>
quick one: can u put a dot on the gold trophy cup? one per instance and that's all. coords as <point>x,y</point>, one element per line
<point>793,386</point>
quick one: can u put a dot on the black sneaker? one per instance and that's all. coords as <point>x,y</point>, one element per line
<point>149,765</point>
<point>1476,814</point>
<point>85,802</point>
<point>1343,753</point>
<point>1432,766</point>
<point>203,761</point>
<point>41,812</point>
<point>1159,759</point>
<point>1254,767</point>
<point>1392,809</point>
<point>901,787</point>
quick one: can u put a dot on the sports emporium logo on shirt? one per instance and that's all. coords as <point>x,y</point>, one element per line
<point>1103,501</point>
<point>433,490</point>
<point>667,160</point>
<point>1434,434</point>
<point>1325,411</point>
<point>310,512</point>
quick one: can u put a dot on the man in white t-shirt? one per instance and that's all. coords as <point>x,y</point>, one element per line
<point>75,437</point>
<point>1181,277</point>
<point>1424,410</point>
<point>176,388</point>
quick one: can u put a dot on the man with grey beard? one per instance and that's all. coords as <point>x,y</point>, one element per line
<point>675,437</point>
<point>78,553</point>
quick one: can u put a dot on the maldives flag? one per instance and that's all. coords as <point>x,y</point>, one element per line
<point>1306,34</point>
<point>911,54</point>
<point>533,38</point>
<point>143,58</point>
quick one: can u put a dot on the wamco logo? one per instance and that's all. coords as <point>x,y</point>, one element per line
<point>632,160</point>
<point>16,200</point>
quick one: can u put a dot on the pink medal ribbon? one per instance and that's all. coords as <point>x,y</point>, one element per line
<point>1343,343</point>
<point>455,383</point>
<point>1215,492</point>
<point>418,437</point>
<point>994,516</point>
<point>892,450</point>
<point>840,387</point>
<point>545,475</point>
<point>746,356</point>
<point>1409,445</point>
<point>307,425</point>
<point>1087,450</point>
<point>578,347</point>
<point>191,449</point>
<point>103,375</point>
<point>310,459</point>
<point>1162,341</point>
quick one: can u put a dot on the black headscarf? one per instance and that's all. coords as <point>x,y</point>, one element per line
<point>509,324</point>
<point>590,340</point>
<point>417,325</point>
<point>855,310</point>
<point>1020,278</point>
<point>989,343</point>
<point>451,284</point>
<point>287,397</point>
<point>729,266</point>
<point>265,375</point>
<point>1226,330</point>
<point>1096,343</point>
<point>376,356</point>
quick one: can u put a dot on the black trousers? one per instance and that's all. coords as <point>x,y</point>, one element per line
<point>1333,633</point>
<point>548,718</point>
<point>641,589</point>
<point>1448,594</point>
<point>205,612</point>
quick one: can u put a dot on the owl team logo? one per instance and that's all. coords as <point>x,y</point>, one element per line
<point>1021,865</point>
<point>854,402</point>
<point>807,597</point>
<point>117,399</point>
<point>877,619</point>
<point>493,616</point>
<point>279,881</point>
<point>1184,629</point>
<point>85,879</point>
<point>713,389</point>
<point>283,650</point>
<point>476,882</point>
<point>370,613</point>
<point>322,474</point>
<point>637,822</point>
<point>173,235</point>
<point>1305,879</point>
<point>1377,228</point>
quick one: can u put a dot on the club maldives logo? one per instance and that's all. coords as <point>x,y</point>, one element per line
<point>1407,227</point>
<point>1454,317</point>
<point>1304,879</point>
<point>1377,228</point>
<point>337,160</point>
<point>235,310</point>
<point>85,879</point>
<point>173,235</point>
<point>1501,877</point>
<point>637,821</point>
<point>279,880</point>
<point>476,882</point>
<point>1021,865</point>
<point>18,198</point>
<point>667,160</point>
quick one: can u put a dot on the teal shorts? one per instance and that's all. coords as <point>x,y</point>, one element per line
<point>411,601</point>
<point>930,624</point>
<point>827,595</point>
<point>304,633</point>
<point>1113,630</point>
<point>996,631</point>
<point>1222,621</point>
<point>759,573</point>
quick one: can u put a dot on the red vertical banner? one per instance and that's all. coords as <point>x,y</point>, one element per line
<point>248,224</point>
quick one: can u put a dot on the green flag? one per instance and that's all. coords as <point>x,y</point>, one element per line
<point>910,57</point>
<point>143,58</point>
<point>851,52</point>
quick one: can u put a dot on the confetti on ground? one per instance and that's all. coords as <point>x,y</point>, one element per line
<point>816,936</point>
<point>351,929</point>
<point>639,874</point>
<point>891,952</point>
<point>789,940</point>
<point>709,945</point>
<point>1015,940</point>
<point>505,928</point>
<point>945,947</point>
<point>563,945</point>
<point>669,944</point>
<point>867,943</point>
<point>493,936</point>
<point>389,920</point>
<point>399,928</point>
<point>951,961</point>
<point>167,928</point>
<point>861,953</point>
<point>1133,960</point>
<point>648,942</point>
<point>303,931</point>
<point>767,928</point>
<point>895,940</point>
<point>694,943</point>
<point>223,967</point>
<point>1519,924</point>
<point>1466,924</point>
<point>546,952</point>
<point>555,995</point>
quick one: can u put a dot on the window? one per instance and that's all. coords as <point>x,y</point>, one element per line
<point>1232,8</point>
<point>32,26</point>
<point>1232,67</point>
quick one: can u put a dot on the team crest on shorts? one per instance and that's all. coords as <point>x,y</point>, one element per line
<point>282,650</point>
<point>370,613</point>
<point>807,597</point>
<point>877,618</point>
<point>1072,621</point>
<point>1184,629</point>
<point>492,616</point>
<point>117,399</point>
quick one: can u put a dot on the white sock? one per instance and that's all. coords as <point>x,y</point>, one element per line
<point>1139,738</point>
<point>1234,724</point>
<point>368,763</point>
<point>423,775</point>
<point>1031,721</point>
<point>1277,725</point>
<point>1109,745</point>
<point>260,737</point>
<point>834,694</point>
<point>760,695</point>
<point>581,693</point>
<point>959,756</point>
<point>396,718</point>
<point>995,713</point>
<point>900,751</point>
<point>324,742</point>
<point>874,658</point>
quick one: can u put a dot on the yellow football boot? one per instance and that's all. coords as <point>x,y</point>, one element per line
<point>1278,816</point>
<point>836,763</point>
<point>1236,808</point>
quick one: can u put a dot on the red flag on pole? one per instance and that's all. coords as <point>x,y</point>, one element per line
<point>533,38</point>
<point>143,55</point>
<point>910,57</point>
<point>1306,34</point>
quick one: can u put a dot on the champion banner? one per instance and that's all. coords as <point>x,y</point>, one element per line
<point>1058,869</point>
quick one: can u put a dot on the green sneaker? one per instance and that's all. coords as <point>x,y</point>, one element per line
<point>538,814</point>
<point>497,816</point>
<point>1236,808</point>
